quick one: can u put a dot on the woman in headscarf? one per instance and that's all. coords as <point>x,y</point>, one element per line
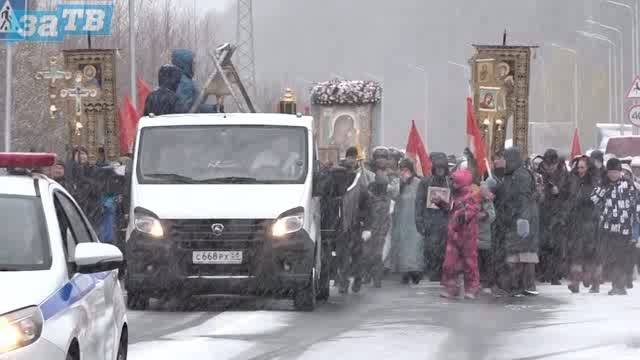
<point>407,242</point>
<point>584,262</point>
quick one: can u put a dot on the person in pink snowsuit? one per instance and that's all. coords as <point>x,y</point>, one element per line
<point>461,255</point>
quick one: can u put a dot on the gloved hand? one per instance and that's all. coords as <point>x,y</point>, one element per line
<point>366,235</point>
<point>522,226</point>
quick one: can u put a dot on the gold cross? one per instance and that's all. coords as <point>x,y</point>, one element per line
<point>55,72</point>
<point>78,92</point>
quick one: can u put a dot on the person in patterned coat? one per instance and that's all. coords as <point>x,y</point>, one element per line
<point>616,200</point>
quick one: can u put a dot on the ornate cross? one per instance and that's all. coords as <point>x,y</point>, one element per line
<point>78,92</point>
<point>55,72</point>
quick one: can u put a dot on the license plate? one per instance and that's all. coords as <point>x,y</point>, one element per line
<point>217,257</point>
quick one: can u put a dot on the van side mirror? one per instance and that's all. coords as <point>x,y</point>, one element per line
<point>93,258</point>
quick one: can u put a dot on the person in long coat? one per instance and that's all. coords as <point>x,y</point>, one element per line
<point>407,243</point>
<point>516,224</point>
<point>432,216</point>
<point>553,220</point>
<point>376,225</point>
<point>583,247</point>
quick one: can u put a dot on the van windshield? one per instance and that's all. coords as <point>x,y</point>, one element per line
<point>223,154</point>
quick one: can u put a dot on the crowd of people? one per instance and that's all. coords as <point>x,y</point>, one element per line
<point>99,189</point>
<point>543,219</point>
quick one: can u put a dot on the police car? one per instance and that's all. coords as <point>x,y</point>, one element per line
<point>61,295</point>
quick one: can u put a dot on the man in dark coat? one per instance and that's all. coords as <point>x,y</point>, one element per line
<point>187,90</point>
<point>164,99</point>
<point>376,225</point>
<point>617,203</point>
<point>432,213</point>
<point>349,240</point>
<point>553,219</point>
<point>516,236</point>
<point>584,257</point>
<point>597,158</point>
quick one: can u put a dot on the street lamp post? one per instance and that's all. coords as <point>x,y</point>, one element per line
<point>612,74</point>
<point>426,98</point>
<point>132,52</point>
<point>575,80</point>
<point>620,88</point>
<point>467,74</point>
<point>635,44</point>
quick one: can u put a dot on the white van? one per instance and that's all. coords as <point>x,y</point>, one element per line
<point>224,204</point>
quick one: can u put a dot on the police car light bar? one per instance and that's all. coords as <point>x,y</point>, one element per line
<point>26,160</point>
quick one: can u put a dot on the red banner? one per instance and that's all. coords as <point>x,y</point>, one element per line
<point>417,151</point>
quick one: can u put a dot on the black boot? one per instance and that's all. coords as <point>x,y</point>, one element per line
<point>405,278</point>
<point>357,285</point>
<point>416,277</point>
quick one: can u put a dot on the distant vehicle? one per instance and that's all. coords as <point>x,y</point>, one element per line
<point>623,146</point>
<point>224,204</point>
<point>61,295</point>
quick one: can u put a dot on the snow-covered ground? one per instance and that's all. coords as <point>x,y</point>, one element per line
<point>399,322</point>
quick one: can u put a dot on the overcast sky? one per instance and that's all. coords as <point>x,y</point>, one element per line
<point>216,4</point>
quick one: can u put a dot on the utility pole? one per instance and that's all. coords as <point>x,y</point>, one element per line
<point>132,51</point>
<point>244,42</point>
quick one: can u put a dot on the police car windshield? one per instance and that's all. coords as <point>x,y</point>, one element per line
<point>24,241</point>
<point>223,154</point>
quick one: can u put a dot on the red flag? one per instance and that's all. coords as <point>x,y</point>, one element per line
<point>479,151</point>
<point>124,127</point>
<point>576,150</point>
<point>128,117</point>
<point>417,151</point>
<point>143,91</point>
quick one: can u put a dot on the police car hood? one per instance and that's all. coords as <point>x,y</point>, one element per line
<point>25,288</point>
<point>220,201</point>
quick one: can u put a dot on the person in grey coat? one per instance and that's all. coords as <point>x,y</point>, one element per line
<point>407,243</point>
<point>486,218</point>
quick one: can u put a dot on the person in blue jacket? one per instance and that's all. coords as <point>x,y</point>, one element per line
<point>187,88</point>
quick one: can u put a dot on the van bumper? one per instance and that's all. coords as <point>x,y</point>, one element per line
<point>276,266</point>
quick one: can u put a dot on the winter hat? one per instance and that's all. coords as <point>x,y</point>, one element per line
<point>550,156</point>
<point>352,152</point>
<point>614,164</point>
<point>627,168</point>
<point>407,164</point>
<point>462,177</point>
<point>597,155</point>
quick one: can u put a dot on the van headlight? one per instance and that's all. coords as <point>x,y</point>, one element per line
<point>148,225</point>
<point>288,224</point>
<point>20,328</point>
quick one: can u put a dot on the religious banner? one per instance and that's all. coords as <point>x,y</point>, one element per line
<point>343,113</point>
<point>500,76</point>
<point>91,102</point>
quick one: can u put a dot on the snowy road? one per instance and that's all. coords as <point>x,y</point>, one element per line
<point>396,322</point>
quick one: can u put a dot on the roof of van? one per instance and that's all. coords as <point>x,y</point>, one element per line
<point>227,119</point>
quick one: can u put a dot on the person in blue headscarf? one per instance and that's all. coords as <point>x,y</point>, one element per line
<point>188,91</point>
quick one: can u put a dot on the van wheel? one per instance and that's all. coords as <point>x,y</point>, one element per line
<point>137,301</point>
<point>304,299</point>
